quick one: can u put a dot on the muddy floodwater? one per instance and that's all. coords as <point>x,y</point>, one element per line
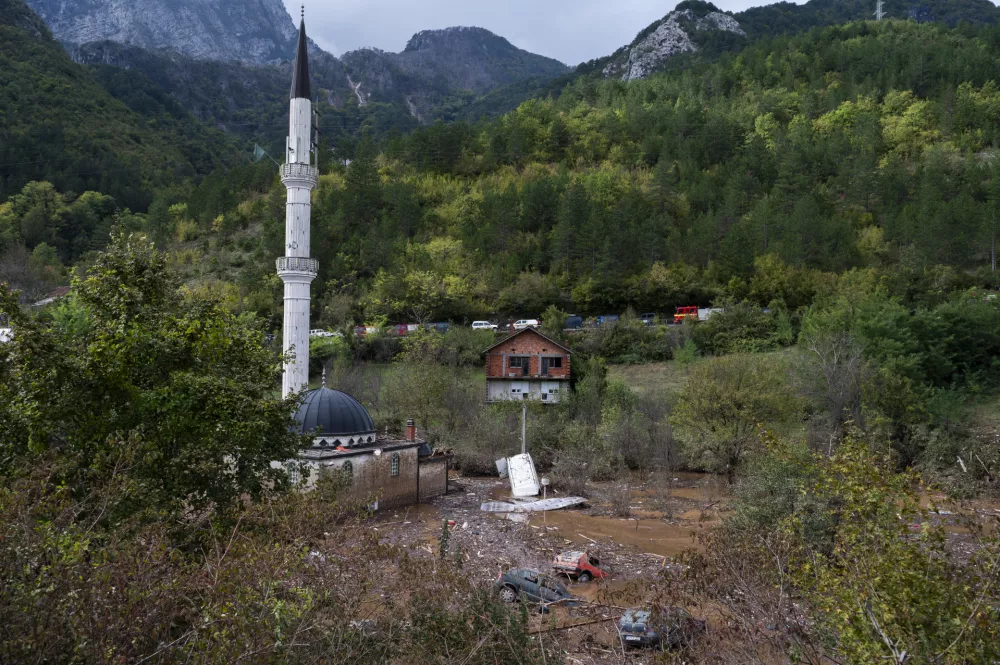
<point>653,536</point>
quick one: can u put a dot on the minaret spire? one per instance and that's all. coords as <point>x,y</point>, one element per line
<point>296,269</point>
<point>300,70</point>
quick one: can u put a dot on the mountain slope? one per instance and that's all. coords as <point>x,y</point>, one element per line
<point>439,63</point>
<point>58,124</point>
<point>254,31</point>
<point>687,29</point>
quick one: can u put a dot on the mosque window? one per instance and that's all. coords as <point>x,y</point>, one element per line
<point>395,464</point>
<point>348,469</point>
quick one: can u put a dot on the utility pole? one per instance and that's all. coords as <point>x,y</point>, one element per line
<point>524,427</point>
<point>879,14</point>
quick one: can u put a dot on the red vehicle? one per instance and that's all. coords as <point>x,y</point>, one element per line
<point>580,566</point>
<point>684,313</point>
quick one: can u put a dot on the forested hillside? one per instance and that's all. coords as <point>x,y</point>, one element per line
<point>788,17</point>
<point>867,145</point>
<point>858,146</point>
<point>61,125</point>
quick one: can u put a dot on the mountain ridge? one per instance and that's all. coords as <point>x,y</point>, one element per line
<point>252,31</point>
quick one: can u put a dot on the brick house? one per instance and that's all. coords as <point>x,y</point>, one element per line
<point>527,365</point>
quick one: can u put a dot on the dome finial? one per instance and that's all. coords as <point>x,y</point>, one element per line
<point>324,377</point>
<point>303,12</point>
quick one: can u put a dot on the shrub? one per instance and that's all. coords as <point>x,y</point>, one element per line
<point>739,328</point>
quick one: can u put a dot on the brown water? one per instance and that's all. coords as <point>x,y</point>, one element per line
<point>648,535</point>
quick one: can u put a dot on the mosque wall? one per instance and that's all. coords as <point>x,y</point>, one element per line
<point>433,477</point>
<point>372,476</point>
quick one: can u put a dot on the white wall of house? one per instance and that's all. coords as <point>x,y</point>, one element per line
<point>500,390</point>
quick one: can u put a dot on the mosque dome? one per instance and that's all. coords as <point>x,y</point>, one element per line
<point>335,419</point>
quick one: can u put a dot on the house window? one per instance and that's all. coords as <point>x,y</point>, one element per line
<point>551,363</point>
<point>394,467</point>
<point>520,364</point>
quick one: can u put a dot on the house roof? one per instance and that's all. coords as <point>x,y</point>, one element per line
<point>521,332</point>
<point>53,296</point>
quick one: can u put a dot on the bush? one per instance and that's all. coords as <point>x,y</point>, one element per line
<point>627,341</point>
<point>739,328</point>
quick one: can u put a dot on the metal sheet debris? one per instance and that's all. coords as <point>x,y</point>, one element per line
<point>523,478</point>
<point>502,467</point>
<point>532,506</point>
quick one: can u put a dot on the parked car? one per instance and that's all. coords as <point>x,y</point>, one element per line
<point>321,333</point>
<point>6,335</point>
<point>574,322</point>
<point>521,324</point>
<point>580,566</point>
<point>483,325</point>
<point>526,584</point>
<point>668,628</point>
<point>401,330</point>
<point>648,319</point>
<point>360,331</point>
<point>607,319</point>
<point>439,327</point>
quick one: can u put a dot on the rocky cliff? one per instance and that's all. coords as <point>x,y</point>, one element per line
<point>251,31</point>
<point>685,30</point>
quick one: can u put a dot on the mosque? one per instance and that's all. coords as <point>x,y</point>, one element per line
<point>393,471</point>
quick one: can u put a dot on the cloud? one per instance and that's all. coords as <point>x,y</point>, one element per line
<point>572,31</point>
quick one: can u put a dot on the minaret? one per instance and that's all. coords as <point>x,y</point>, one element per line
<point>296,269</point>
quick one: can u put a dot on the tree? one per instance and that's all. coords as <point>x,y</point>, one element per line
<point>885,592</point>
<point>722,405</point>
<point>165,395</point>
<point>834,372</point>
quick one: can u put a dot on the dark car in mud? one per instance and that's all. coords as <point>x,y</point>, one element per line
<point>668,628</point>
<point>530,585</point>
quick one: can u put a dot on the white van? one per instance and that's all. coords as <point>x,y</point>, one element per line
<point>525,323</point>
<point>321,333</point>
<point>483,325</point>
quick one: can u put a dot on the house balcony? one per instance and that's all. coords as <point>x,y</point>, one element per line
<point>301,175</point>
<point>297,265</point>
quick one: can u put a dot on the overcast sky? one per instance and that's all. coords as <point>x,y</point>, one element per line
<point>572,31</point>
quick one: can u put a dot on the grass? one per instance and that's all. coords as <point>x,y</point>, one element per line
<point>669,377</point>
<point>653,378</point>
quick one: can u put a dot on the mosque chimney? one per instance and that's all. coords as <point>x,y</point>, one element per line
<point>300,176</point>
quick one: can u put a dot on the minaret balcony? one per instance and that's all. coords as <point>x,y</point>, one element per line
<point>296,264</point>
<point>301,175</point>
